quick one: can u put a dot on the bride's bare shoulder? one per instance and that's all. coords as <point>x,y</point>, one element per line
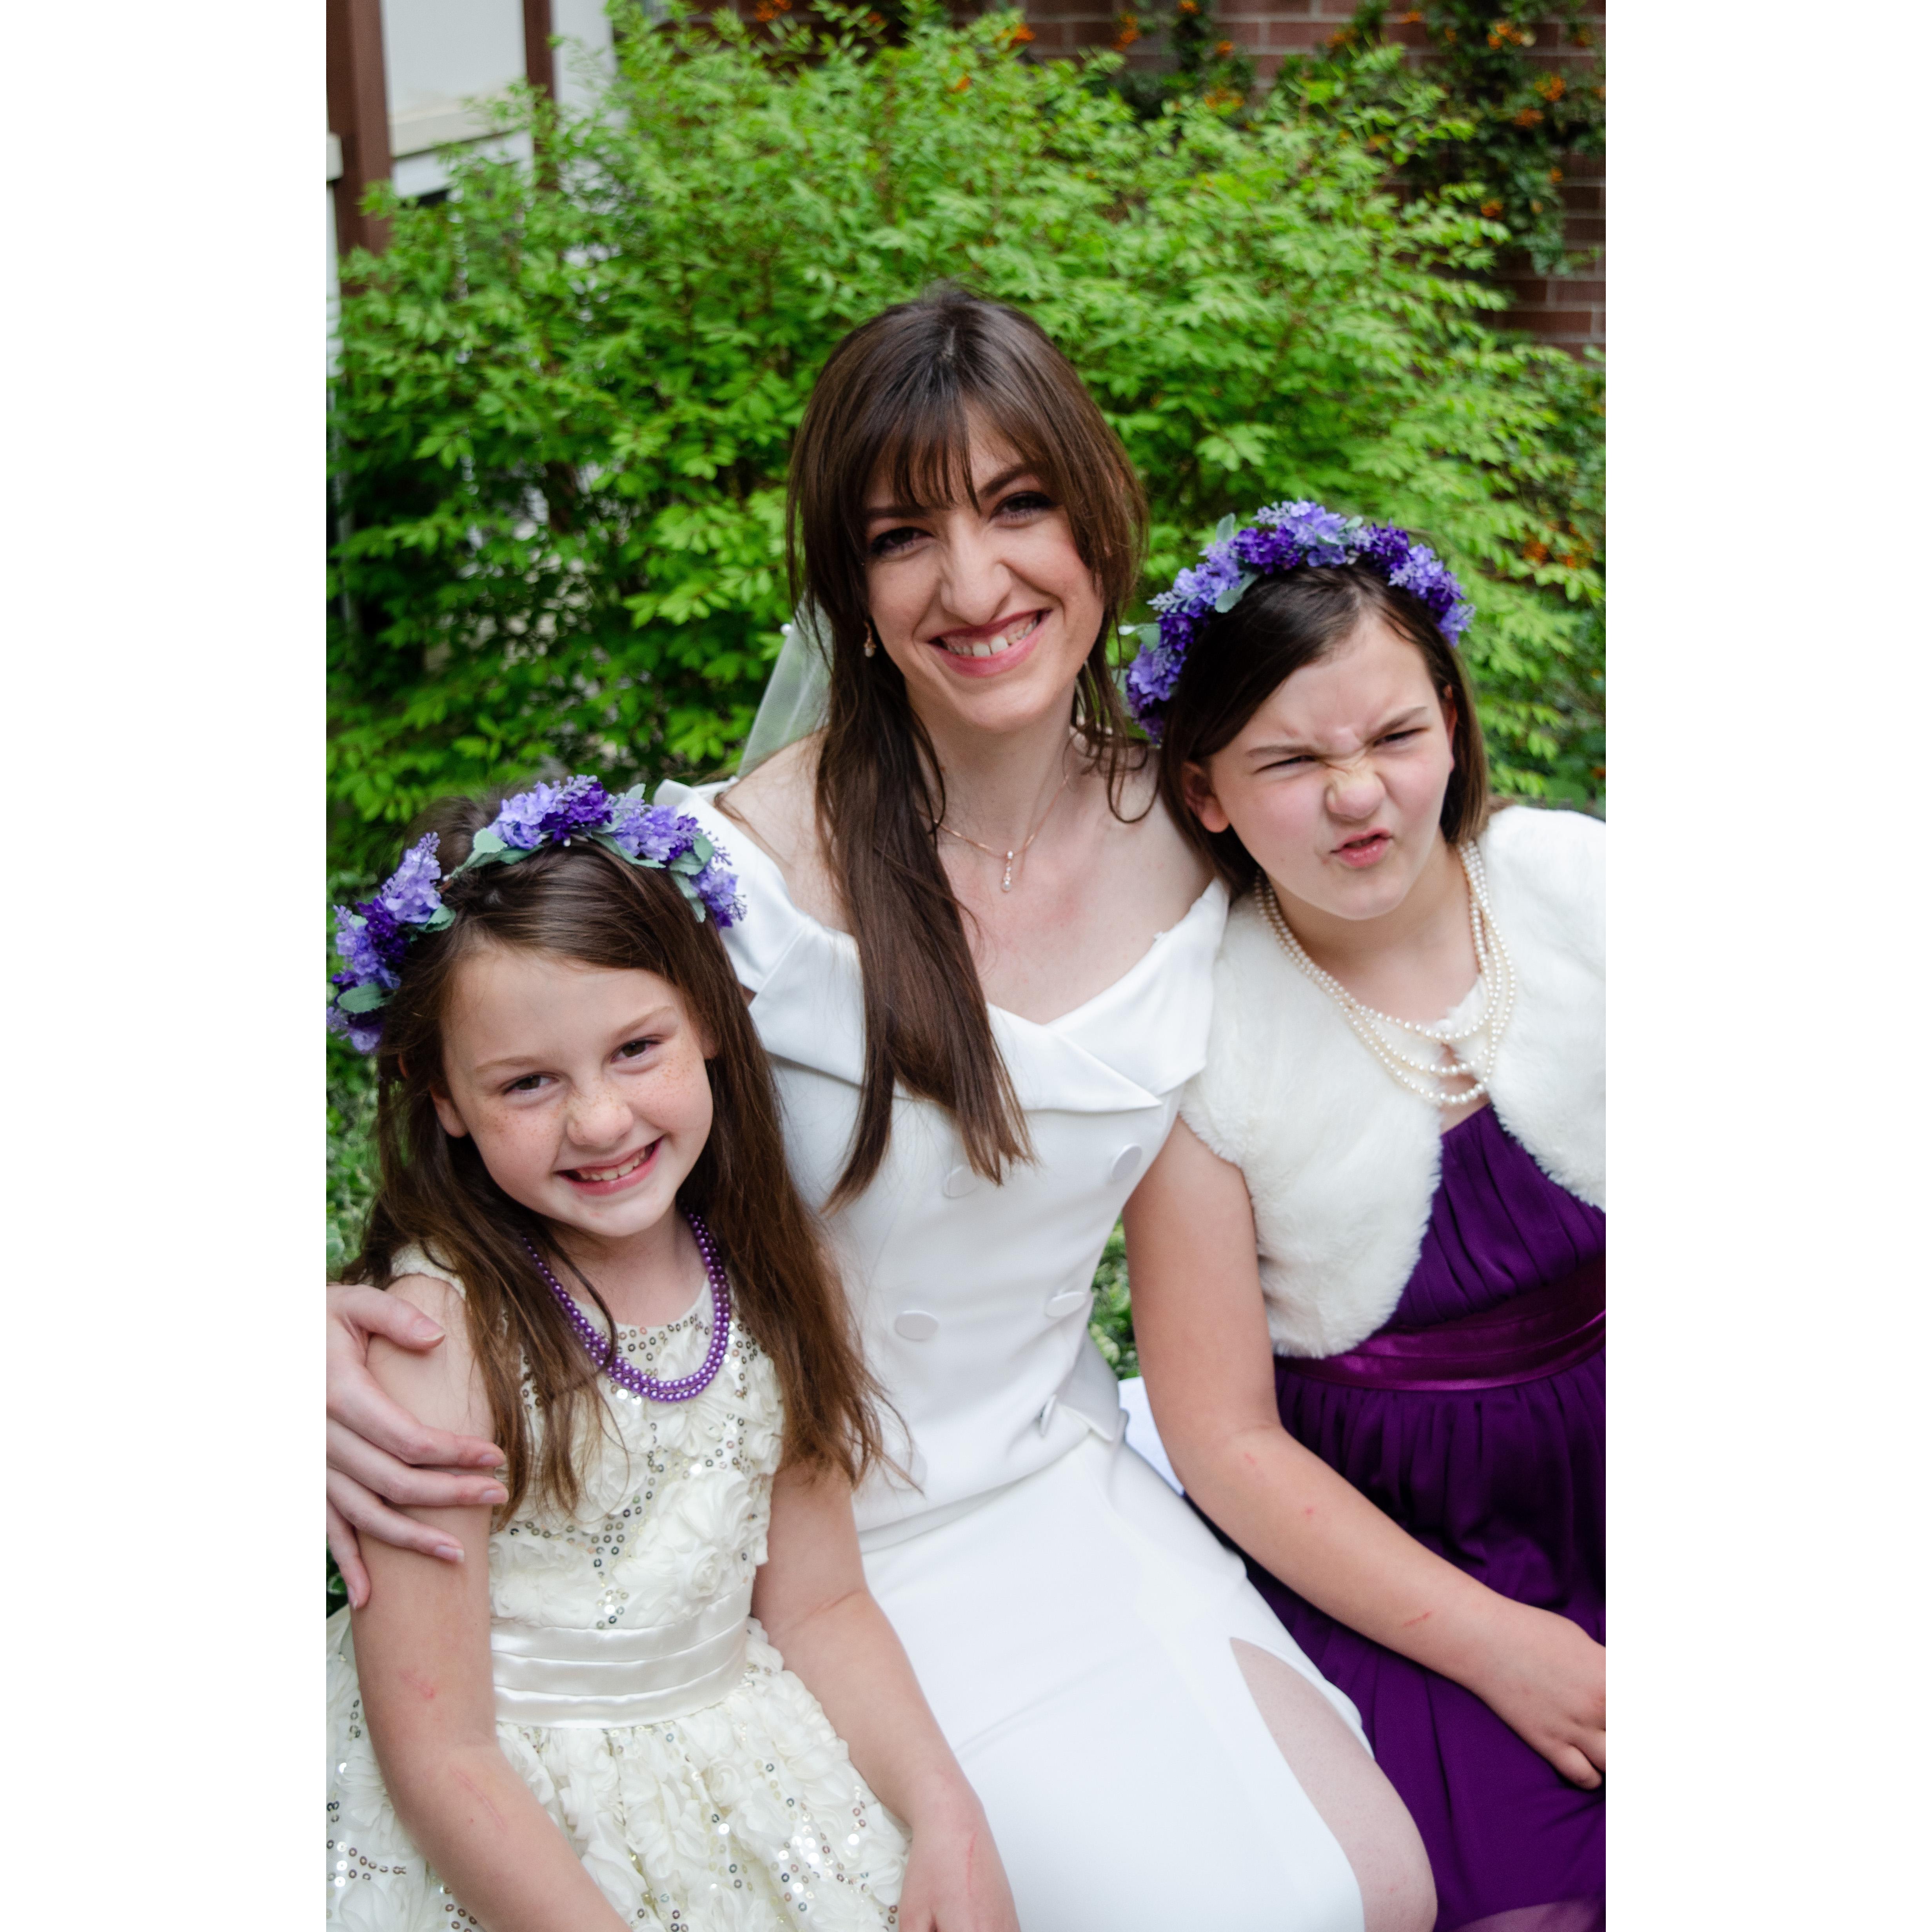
<point>778,806</point>
<point>775,803</point>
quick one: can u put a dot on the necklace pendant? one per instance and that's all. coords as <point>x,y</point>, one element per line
<point>1006,877</point>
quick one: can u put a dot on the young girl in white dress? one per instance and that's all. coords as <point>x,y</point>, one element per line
<point>628,1706</point>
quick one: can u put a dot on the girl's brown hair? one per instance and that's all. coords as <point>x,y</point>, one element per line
<point>900,398</point>
<point>1239,657</point>
<point>585,903</point>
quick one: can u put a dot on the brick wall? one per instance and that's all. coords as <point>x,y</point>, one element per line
<point>1264,29</point>
<point>1065,26</point>
<point>1565,310</point>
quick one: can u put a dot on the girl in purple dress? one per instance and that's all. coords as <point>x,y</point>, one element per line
<point>1368,1267</point>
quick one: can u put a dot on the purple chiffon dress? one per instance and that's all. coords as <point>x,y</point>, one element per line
<point>1508,1483</point>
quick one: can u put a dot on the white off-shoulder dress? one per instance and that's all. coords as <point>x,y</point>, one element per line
<point>695,1777</point>
<point>1069,1617</point>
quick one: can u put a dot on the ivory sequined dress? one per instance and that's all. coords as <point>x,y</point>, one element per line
<point>696,1777</point>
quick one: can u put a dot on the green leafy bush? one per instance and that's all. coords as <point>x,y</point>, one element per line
<point>567,394</point>
<point>1112,1323</point>
<point>1487,113</point>
<point>351,1183</point>
<point>1206,65</point>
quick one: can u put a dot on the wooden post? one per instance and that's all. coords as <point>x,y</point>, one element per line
<point>358,116</point>
<point>540,70</point>
<point>539,57</point>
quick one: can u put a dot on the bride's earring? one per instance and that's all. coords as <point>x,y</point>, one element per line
<point>871,643</point>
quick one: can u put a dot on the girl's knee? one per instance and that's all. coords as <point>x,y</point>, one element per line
<point>1350,1794</point>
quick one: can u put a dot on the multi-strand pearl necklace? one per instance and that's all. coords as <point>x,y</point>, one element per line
<point>1427,1079</point>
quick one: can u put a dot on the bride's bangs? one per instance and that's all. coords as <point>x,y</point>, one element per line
<point>902,400</point>
<point>923,448</point>
<point>1009,400</point>
<point>927,439</point>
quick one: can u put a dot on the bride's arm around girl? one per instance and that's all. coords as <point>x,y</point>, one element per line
<point>979,953</point>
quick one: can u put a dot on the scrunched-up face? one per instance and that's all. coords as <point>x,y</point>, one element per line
<point>986,606</point>
<point>584,1087</point>
<point>1335,785</point>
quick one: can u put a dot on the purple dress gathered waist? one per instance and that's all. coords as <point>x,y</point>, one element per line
<point>1505,1482</point>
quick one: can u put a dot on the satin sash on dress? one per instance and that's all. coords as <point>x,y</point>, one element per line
<point>546,1675</point>
<point>1530,1335</point>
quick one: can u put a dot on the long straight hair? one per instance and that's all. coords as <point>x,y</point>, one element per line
<point>585,904</point>
<point>1239,658</point>
<point>901,397</point>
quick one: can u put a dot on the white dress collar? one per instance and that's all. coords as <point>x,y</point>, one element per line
<point>1135,1040</point>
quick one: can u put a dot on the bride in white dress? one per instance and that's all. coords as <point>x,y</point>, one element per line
<point>1151,1748</point>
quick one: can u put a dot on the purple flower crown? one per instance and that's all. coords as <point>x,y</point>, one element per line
<point>373,936</point>
<point>1283,537</point>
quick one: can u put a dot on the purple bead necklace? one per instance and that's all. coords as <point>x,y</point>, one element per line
<point>678,1388</point>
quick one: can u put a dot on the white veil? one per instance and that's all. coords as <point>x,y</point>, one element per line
<point>793,705</point>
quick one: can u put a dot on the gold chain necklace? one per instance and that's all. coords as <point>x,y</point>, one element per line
<point>1018,851</point>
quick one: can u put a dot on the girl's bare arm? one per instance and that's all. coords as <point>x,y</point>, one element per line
<point>810,1596</point>
<point>422,1657</point>
<point>1201,1326</point>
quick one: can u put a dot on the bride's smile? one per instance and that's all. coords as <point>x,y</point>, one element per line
<point>985,605</point>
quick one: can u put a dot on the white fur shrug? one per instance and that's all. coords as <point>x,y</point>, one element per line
<point>1341,1163</point>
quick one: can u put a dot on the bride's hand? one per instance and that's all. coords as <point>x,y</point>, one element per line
<point>1544,1679</point>
<point>378,1454</point>
<point>954,1881</point>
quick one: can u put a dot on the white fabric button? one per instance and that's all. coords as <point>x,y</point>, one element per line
<point>915,1325</point>
<point>1067,1302</point>
<point>961,1180</point>
<point>1126,1162</point>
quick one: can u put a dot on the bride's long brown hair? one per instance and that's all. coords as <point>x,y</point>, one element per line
<point>585,904</point>
<point>900,396</point>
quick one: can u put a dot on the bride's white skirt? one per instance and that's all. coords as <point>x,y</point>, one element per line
<point>1073,1633</point>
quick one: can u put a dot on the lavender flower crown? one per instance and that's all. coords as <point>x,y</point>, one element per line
<point>1282,537</point>
<point>373,936</point>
